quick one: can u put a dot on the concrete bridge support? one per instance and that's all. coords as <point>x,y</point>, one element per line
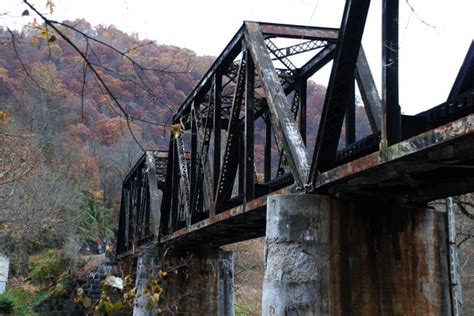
<point>353,257</point>
<point>200,283</point>
<point>146,266</point>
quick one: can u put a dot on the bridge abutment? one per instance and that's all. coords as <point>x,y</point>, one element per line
<point>364,257</point>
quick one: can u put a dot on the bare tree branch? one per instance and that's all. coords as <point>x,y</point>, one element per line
<point>418,17</point>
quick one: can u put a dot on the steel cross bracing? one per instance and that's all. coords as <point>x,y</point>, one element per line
<point>243,133</point>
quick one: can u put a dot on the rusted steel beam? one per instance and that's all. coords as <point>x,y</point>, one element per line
<point>339,86</point>
<point>391,113</point>
<point>430,141</point>
<point>283,123</point>
<point>368,91</point>
<point>297,31</point>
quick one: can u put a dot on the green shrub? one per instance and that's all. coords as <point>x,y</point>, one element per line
<point>64,284</point>
<point>7,304</point>
<point>46,269</point>
<point>16,302</point>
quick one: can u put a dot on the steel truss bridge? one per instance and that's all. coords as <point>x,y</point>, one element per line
<point>210,187</point>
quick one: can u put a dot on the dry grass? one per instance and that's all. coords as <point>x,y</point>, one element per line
<point>249,273</point>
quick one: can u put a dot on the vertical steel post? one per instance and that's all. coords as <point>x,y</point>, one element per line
<point>391,117</point>
<point>175,192</point>
<point>350,117</point>
<point>217,129</point>
<point>368,92</point>
<point>241,163</point>
<point>268,148</point>
<point>194,159</point>
<point>168,192</point>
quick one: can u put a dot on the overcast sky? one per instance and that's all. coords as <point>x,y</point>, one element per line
<point>433,40</point>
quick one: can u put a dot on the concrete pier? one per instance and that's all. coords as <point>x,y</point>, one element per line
<point>353,257</point>
<point>146,265</point>
<point>200,283</point>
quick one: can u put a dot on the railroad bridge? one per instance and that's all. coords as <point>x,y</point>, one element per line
<point>346,221</point>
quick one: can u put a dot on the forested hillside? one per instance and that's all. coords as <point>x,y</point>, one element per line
<point>65,146</point>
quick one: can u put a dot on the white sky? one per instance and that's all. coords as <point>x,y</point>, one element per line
<point>430,57</point>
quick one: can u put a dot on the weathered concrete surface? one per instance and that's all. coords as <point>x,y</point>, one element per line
<point>199,284</point>
<point>146,266</point>
<point>353,257</point>
<point>295,255</point>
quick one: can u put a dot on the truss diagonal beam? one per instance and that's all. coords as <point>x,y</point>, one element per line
<point>229,162</point>
<point>280,55</point>
<point>368,91</point>
<point>340,84</point>
<point>282,119</point>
